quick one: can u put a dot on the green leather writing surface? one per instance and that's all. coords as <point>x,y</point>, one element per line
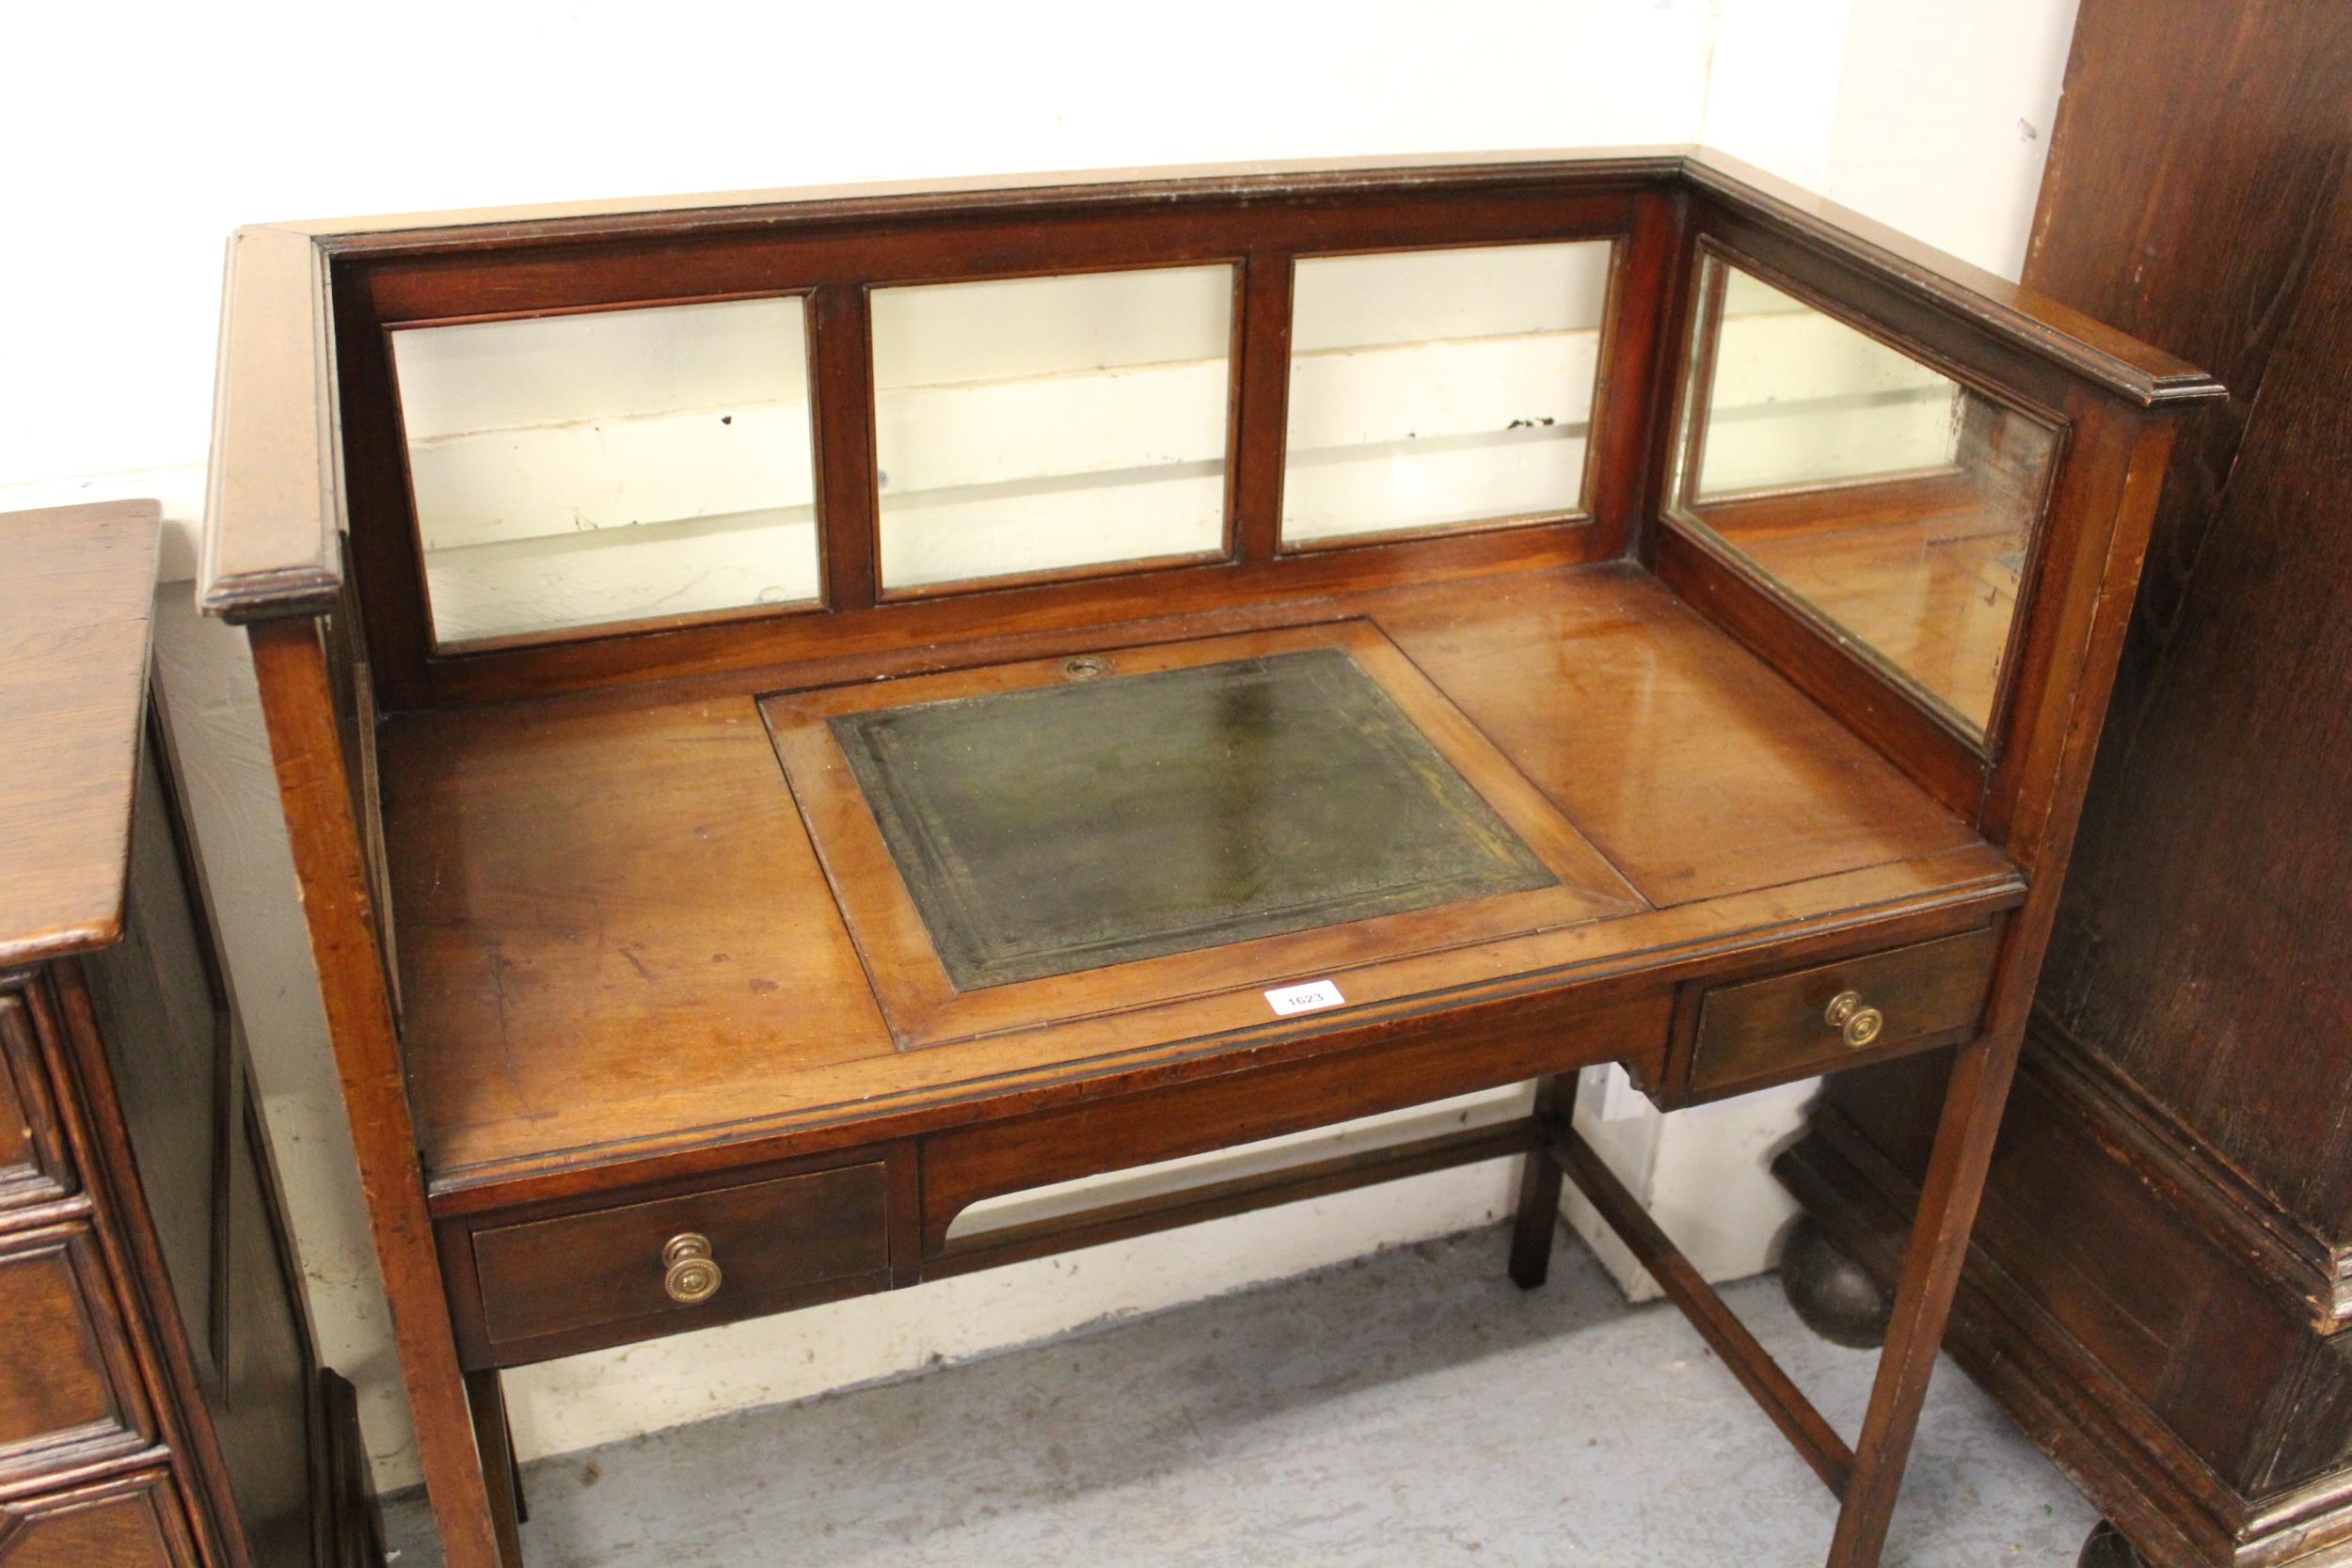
<point>1052,829</point>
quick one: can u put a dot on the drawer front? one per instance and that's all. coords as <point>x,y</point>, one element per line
<point>69,1391</point>
<point>33,1166</point>
<point>1781,1027</point>
<point>704,1256</point>
<point>133,1522</point>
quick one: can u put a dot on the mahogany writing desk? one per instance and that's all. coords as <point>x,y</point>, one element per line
<point>801,714</point>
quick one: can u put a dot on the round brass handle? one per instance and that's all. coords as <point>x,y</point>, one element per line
<point>689,1275</point>
<point>1859,1024</point>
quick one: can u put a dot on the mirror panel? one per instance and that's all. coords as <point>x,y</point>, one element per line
<point>611,467</point>
<point>1881,496</point>
<point>1041,425</point>
<point>1441,389</point>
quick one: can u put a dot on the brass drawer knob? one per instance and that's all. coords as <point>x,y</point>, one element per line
<point>691,1275</point>
<point>1859,1024</point>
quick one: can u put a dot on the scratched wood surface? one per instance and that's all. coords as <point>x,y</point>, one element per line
<point>615,890</point>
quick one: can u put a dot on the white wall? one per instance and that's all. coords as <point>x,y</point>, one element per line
<point>1943,118</point>
<point>139,137</point>
<point>1928,117</point>
<point>1936,124</point>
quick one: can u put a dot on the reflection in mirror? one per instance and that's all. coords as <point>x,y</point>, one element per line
<point>1891,500</point>
<point>1437,388</point>
<point>1037,424</point>
<point>619,466</point>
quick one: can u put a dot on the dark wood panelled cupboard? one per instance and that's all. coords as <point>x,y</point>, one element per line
<point>160,1402</point>
<point>2161,1287</point>
<point>805,717</point>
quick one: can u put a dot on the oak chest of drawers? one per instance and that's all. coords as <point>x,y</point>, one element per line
<point>160,1402</point>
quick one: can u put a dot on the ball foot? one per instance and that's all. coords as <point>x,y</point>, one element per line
<point>1836,1296</point>
<point>2107,1548</point>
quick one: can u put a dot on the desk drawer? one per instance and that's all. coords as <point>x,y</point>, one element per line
<point>1782,1027</point>
<point>705,1257</point>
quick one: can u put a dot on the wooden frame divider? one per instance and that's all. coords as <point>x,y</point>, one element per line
<point>841,351</point>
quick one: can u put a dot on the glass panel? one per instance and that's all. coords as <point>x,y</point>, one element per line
<point>1895,503</point>
<point>1436,389</point>
<point>1042,423</point>
<point>622,465</point>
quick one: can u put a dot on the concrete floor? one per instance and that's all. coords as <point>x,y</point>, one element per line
<point>1405,1410</point>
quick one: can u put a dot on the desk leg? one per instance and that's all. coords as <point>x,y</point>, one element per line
<point>1539,1194</point>
<point>496,1442</point>
<point>1923,1302</point>
<point>299,707</point>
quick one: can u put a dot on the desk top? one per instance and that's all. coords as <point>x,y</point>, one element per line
<point>617,936</point>
<point>79,587</point>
